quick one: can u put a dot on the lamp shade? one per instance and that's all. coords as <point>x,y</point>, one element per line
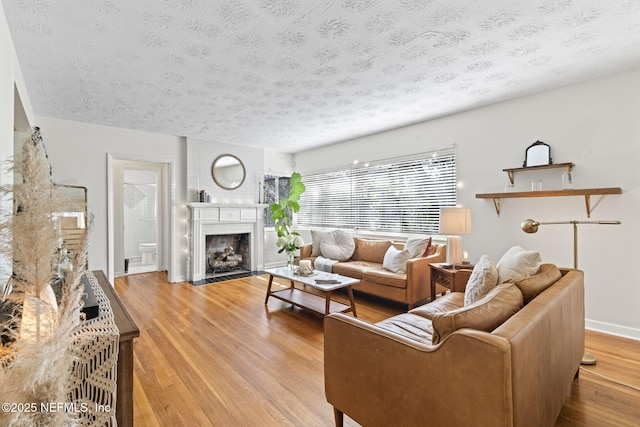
<point>455,221</point>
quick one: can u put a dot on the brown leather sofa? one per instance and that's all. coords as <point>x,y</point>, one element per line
<point>365,264</point>
<point>518,374</point>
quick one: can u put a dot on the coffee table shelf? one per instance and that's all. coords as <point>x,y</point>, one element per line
<point>310,301</point>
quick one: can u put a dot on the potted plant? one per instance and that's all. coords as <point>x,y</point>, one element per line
<point>282,214</point>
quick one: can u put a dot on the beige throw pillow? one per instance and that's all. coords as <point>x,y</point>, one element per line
<point>486,314</point>
<point>416,246</point>
<point>395,260</point>
<point>316,239</point>
<point>517,263</point>
<point>484,277</point>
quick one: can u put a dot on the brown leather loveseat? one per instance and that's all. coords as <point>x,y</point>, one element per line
<point>516,373</point>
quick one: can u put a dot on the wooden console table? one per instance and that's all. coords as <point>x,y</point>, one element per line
<point>128,331</point>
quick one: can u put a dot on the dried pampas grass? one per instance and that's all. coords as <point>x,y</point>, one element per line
<point>35,370</point>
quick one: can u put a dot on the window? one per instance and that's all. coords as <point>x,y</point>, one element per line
<point>400,195</point>
<point>275,187</point>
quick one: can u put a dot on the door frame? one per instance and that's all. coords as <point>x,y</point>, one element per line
<point>168,213</point>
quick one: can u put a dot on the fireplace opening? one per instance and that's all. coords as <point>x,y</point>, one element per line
<point>227,254</point>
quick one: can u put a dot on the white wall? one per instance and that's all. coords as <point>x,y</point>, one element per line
<point>15,116</point>
<point>595,125</point>
<point>200,157</point>
<point>78,154</point>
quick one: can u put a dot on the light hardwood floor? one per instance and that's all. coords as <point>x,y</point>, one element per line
<point>215,355</point>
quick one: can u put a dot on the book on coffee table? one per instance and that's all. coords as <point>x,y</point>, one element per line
<point>327,279</point>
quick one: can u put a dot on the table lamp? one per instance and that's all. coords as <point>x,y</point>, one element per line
<point>455,221</point>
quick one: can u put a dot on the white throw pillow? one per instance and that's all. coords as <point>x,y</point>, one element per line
<point>416,246</point>
<point>517,263</point>
<point>483,279</point>
<point>337,245</point>
<point>316,239</point>
<point>395,260</point>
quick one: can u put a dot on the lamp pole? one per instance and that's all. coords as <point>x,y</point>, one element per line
<point>531,226</point>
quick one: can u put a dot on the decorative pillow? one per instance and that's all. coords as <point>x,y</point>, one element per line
<point>484,277</point>
<point>371,250</point>
<point>486,314</point>
<point>429,250</point>
<point>396,260</point>
<point>417,246</point>
<point>531,286</point>
<point>517,263</point>
<point>337,245</point>
<point>316,239</point>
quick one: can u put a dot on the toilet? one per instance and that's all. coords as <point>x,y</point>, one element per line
<point>147,250</point>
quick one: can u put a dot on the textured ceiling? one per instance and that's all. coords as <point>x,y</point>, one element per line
<point>289,75</point>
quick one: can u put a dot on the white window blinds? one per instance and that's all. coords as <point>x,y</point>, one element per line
<point>395,196</point>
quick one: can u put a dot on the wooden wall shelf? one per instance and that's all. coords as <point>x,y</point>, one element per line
<point>587,193</point>
<point>511,171</point>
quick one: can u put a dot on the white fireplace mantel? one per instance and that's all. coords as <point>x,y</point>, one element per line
<point>224,218</point>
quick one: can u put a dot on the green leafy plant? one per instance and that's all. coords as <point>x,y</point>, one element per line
<point>282,212</point>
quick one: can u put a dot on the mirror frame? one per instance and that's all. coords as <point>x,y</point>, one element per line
<point>537,154</point>
<point>223,185</point>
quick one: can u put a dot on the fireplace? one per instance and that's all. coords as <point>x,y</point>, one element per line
<point>224,239</point>
<point>227,254</point>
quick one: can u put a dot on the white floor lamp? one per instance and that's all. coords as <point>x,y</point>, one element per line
<point>455,221</point>
<point>531,226</point>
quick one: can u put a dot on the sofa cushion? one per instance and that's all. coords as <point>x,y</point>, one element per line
<point>316,239</point>
<point>354,269</point>
<point>447,302</point>
<point>531,286</point>
<point>516,263</point>
<point>417,246</point>
<point>371,250</point>
<point>409,325</point>
<point>396,260</point>
<point>385,277</point>
<point>484,277</point>
<point>486,314</point>
<point>337,245</point>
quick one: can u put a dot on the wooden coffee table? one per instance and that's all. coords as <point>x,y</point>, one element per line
<point>310,301</point>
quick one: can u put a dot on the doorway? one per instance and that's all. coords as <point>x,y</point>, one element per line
<point>139,212</point>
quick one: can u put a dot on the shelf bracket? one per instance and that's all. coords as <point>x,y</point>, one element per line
<point>511,178</point>
<point>496,204</point>
<point>587,201</point>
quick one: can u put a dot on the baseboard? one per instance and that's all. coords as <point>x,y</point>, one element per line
<point>611,329</point>
<point>179,279</point>
<point>275,264</point>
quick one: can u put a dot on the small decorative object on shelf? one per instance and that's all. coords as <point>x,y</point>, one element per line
<point>537,154</point>
<point>536,185</point>
<point>567,179</point>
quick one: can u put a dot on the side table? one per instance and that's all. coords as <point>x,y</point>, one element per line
<point>454,279</point>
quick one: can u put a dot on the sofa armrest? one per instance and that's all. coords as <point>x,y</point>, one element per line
<point>380,378</point>
<point>419,276</point>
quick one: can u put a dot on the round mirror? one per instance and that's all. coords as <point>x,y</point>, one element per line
<point>228,171</point>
